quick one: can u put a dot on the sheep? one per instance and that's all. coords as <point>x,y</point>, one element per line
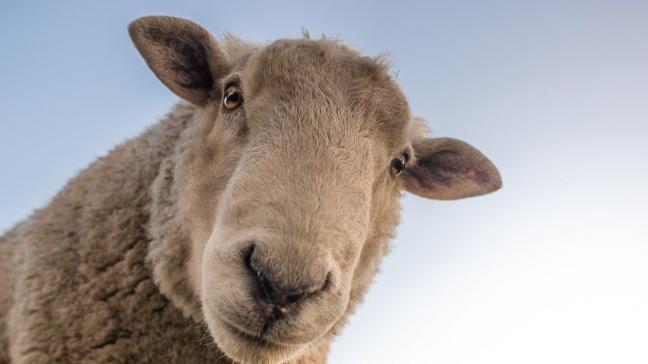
<point>245,226</point>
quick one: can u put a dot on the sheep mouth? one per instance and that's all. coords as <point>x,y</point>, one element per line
<point>258,348</point>
<point>258,340</point>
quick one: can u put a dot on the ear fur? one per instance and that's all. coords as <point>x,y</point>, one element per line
<point>182,54</point>
<point>449,169</point>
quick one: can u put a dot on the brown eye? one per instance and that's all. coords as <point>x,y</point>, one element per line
<point>398,165</point>
<point>233,98</point>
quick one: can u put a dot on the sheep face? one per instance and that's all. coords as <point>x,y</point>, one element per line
<point>294,178</point>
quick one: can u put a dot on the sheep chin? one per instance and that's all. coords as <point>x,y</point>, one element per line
<point>247,349</point>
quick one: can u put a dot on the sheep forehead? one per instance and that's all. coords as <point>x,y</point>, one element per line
<point>305,62</point>
<point>325,72</point>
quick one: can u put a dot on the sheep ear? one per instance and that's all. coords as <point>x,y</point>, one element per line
<point>182,54</point>
<point>449,169</point>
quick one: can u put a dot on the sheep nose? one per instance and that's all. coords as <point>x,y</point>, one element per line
<point>272,290</point>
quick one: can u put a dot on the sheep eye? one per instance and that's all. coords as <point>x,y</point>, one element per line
<point>398,165</point>
<point>233,98</point>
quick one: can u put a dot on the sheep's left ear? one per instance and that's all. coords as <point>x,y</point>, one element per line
<point>449,169</point>
<point>182,54</point>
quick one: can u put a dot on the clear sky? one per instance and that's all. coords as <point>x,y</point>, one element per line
<point>551,269</point>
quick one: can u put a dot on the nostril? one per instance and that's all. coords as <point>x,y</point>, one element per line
<point>265,286</point>
<point>262,283</point>
<point>273,292</point>
<point>247,257</point>
<point>293,297</point>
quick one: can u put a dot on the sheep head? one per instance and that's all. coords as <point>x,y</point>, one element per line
<point>290,183</point>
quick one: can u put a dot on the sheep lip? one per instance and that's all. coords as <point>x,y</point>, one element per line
<point>256,339</point>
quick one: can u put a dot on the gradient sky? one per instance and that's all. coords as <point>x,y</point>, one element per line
<point>551,269</point>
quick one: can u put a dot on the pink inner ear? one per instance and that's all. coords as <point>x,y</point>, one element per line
<point>446,165</point>
<point>448,169</point>
<point>186,59</point>
<point>183,55</point>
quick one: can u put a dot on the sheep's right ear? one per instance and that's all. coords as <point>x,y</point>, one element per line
<point>182,54</point>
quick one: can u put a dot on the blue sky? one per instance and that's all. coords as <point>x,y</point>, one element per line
<point>550,269</point>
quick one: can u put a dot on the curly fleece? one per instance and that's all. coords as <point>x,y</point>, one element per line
<point>76,284</point>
